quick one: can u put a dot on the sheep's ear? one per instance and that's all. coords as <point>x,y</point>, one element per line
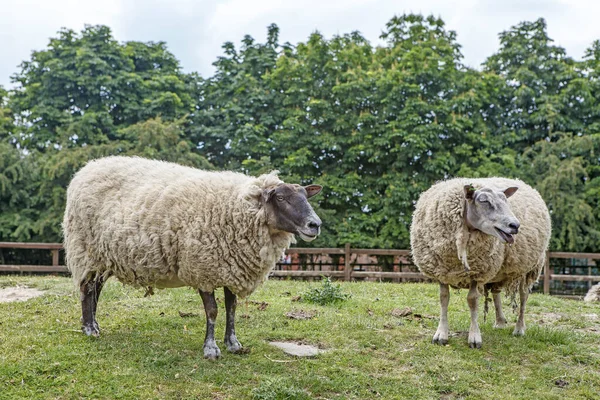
<point>469,192</point>
<point>510,191</point>
<point>267,194</point>
<point>312,190</point>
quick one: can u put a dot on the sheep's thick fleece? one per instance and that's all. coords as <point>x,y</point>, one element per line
<point>593,294</point>
<point>160,224</point>
<point>439,237</point>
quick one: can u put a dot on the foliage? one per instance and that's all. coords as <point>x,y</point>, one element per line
<point>375,125</point>
<point>86,96</point>
<point>327,294</point>
<point>561,171</point>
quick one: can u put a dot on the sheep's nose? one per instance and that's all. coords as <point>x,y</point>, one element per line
<point>314,224</point>
<point>514,226</point>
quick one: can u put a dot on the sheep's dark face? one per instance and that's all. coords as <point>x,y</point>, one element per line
<point>488,210</point>
<point>288,210</point>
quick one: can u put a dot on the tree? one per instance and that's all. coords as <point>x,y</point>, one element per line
<point>539,74</point>
<point>17,174</point>
<point>88,96</point>
<point>236,111</point>
<point>374,126</point>
<point>559,170</point>
<point>84,87</point>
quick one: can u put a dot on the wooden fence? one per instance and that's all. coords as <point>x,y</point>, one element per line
<point>345,268</point>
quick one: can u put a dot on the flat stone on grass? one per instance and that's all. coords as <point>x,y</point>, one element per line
<point>10,294</point>
<point>298,350</point>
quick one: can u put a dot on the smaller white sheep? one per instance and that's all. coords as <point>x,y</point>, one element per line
<point>158,224</point>
<point>593,294</point>
<point>458,235</point>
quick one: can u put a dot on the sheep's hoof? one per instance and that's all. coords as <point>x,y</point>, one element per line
<point>91,329</point>
<point>234,346</point>
<point>440,339</point>
<point>211,351</point>
<point>500,323</point>
<point>519,331</point>
<point>475,345</point>
<point>475,341</point>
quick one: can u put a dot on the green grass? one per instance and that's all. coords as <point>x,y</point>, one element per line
<point>148,351</point>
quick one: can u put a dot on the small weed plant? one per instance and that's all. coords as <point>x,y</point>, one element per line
<point>326,294</point>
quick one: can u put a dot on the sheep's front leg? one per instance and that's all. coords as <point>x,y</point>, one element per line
<point>500,318</point>
<point>441,335</point>
<point>233,345</point>
<point>474,332</point>
<point>90,293</point>
<point>520,327</point>
<point>211,350</point>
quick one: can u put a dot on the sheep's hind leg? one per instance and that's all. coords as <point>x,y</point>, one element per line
<point>441,335</point>
<point>211,350</point>
<point>233,345</point>
<point>500,318</point>
<point>523,295</point>
<point>90,292</point>
<point>474,332</point>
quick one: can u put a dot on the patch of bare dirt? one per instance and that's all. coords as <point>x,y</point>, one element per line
<point>17,293</point>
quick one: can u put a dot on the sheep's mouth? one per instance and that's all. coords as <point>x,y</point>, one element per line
<point>307,237</point>
<point>507,237</point>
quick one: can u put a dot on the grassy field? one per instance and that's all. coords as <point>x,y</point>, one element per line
<point>148,351</point>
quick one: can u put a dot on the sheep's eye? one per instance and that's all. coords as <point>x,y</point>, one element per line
<point>482,198</point>
<point>280,198</point>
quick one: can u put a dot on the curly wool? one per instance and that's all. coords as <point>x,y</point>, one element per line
<point>593,294</point>
<point>160,224</point>
<point>442,244</point>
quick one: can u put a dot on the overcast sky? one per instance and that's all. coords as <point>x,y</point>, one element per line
<point>195,29</point>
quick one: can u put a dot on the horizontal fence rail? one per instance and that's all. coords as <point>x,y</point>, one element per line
<point>347,260</point>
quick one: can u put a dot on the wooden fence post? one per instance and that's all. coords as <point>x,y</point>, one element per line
<point>55,257</point>
<point>347,267</point>
<point>547,274</point>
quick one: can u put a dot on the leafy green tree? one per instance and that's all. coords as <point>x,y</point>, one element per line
<point>84,87</point>
<point>559,170</point>
<point>17,174</point>
<point>236,111</point>
<point>541,76</point>
<point>376,125</point>
<point>6,117</point>
<point>88,96</point>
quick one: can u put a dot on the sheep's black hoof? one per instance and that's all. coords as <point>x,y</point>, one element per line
<point>475,345</point>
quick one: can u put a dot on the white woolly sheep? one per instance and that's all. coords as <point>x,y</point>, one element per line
<point>159,224</point>
<point>458,235</point>
<point>593,294</point>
